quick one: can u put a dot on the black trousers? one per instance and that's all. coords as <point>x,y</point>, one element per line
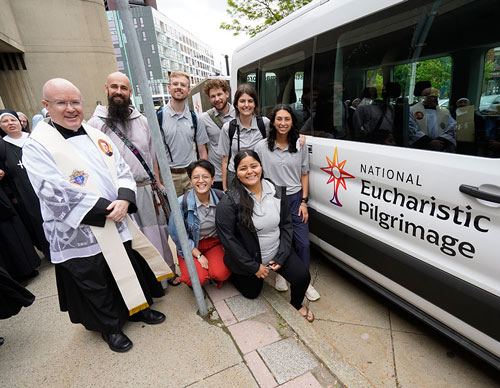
<point>88,291</point>
<point>293,270</point>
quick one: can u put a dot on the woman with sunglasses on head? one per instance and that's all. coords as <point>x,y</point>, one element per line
<point>255,227</point>
<point>286,163</point>
<point>198,209</point>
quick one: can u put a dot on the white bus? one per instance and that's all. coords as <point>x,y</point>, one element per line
<point>418,225</point>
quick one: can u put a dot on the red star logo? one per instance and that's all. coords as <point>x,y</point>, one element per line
<point>337,176</point>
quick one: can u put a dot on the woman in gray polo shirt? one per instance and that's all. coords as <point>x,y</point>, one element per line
<point>198,209</point>
<point>248,129</point>
<point>255,228</point>
<point>286,163</point>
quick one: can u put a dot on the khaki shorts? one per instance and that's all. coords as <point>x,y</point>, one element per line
<point>181,183</point>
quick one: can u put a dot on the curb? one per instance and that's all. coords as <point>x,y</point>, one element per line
<point>332,359</point>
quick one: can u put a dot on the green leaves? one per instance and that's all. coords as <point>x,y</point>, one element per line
<point>260,13</point>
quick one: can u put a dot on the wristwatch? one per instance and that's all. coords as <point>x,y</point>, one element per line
<point>198,256</point>
<point>305,199</point>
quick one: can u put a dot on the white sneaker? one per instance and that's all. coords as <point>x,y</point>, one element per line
<point>312,294</point>
<point>280,284</point>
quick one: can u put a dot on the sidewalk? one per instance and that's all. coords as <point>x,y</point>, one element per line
<point>255,343</point>
<point>357,340</point>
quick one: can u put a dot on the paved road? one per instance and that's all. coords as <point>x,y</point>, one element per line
<point>386,344</point>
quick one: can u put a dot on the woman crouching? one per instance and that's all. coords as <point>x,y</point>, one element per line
<point>198,210</point>
<point>255,227</point>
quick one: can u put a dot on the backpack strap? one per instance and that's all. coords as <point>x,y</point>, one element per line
<point>194,118</point>
<point>233,127</point>
<point>261,125</point>
<point>216,119</point>
<point>159,116</point>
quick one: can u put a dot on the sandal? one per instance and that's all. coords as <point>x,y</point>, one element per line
<point>174,281</point>
<point>309,315</point>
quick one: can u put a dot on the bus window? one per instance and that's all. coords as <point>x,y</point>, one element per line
<point>375,79</point>
<point>437,71</point>
<point>269,92</point>
<point>251,79</point>
<point>372,89</point>
<point>248,75</point>
<point>489,104</point>
<point>285,76</point>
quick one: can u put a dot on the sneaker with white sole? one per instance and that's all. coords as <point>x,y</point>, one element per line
<point>312,294</point>
<point>280,284</point>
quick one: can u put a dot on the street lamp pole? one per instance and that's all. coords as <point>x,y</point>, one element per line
<point>139,74</point>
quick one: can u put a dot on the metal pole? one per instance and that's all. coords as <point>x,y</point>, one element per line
<point>227,64</point>
<point>139,72</point>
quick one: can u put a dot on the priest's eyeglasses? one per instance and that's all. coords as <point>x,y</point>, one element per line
<point>63,104</point>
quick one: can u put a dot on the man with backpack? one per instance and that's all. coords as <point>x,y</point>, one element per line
<point>222,111</point>
<point>181,131</point>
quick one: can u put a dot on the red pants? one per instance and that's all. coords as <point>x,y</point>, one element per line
<point>211,248</point>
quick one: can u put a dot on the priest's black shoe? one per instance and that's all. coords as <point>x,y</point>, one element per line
<point>151,317</point>
<point>117,342</point>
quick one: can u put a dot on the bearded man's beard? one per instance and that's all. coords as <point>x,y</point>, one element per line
<point>118,111</point>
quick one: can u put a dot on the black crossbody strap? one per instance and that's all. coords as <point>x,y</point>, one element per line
<point>137,154</point>
<point>132,148</point>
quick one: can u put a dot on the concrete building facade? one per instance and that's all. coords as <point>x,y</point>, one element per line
<point>166,47</point>
<point>42,39</point>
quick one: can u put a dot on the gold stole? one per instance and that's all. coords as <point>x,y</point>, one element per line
<point>108,238</point>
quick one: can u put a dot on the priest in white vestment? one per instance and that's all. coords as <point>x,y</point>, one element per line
<point>106,270</point>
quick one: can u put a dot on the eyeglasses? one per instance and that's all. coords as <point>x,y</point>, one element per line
<point>201,177</point>
<point>64,104</point>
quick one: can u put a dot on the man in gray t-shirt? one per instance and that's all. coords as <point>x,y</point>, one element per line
<point>178,128</point>
<point>217,91</point>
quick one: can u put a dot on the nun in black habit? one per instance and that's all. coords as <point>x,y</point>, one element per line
<point>17,184</point>
<point>13,296</point>
<point>17,255</point>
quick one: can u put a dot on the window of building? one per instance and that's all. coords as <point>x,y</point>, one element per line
<point>118,51</point>
<point>150,74</point>
<point>148,61</point>
<point>121,65</point>
<point>135,22</point>
<point>141,20</point>
<point>144,38</point>
<point>153,48</point>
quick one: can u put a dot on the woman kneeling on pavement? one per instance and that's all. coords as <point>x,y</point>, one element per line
<point>255,227</point>
<point>198,210</point>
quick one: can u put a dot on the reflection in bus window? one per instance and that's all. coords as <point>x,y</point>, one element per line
<point>248,75</point>
<point>437,71</point>
<point>285,78</point>
<point>270,90</point>
<point>489,105</point>
<point>348,67</point>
